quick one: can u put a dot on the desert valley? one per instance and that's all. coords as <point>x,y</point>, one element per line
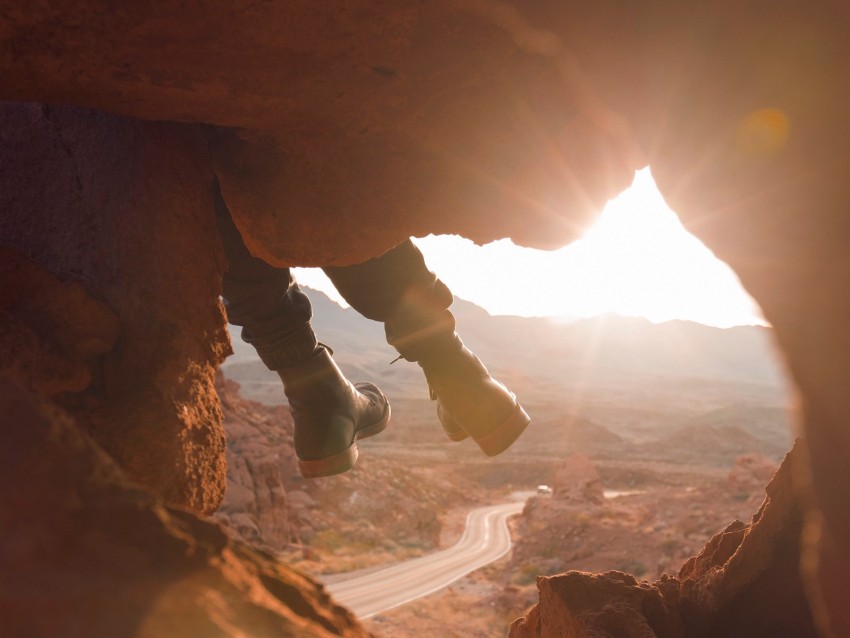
<point>652,438</point>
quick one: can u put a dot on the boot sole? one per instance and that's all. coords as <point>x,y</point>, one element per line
<point>497,441</point>
<point>456,435</point>
<point>345,460</point>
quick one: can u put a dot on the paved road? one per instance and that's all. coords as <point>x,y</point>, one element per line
<point>485,540</point>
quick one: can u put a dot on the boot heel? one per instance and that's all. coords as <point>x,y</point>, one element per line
<point>497,441</point>
<point>336,464</point>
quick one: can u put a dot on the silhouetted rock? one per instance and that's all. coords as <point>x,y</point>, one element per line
<point>357,130</point>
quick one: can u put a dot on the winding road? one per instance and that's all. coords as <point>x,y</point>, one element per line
<point>485,539</point>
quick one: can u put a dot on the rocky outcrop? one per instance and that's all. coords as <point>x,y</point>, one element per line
<point>750,470</point>
<point>577,480</point>
<point>606,605</point>
<point>86,553</point>
<point>375,121</point>
<point>260,462</point>
<point>339,522</point>
<point>122,209</point>
<point>745,582</point>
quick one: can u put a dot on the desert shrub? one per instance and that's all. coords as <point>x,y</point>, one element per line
<point>583,519</point>
<point>634,567</point>
<point>526,574</point>
<point>329,539</point>
<point>670,546</point>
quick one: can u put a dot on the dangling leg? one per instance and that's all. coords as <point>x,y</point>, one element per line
<point>398,289</point>
<point>329,412</point>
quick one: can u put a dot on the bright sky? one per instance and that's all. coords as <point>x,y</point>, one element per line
<point>636,260</point>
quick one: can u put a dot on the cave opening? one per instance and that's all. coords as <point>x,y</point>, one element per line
<point>660,412</point>
<point>359,127</point>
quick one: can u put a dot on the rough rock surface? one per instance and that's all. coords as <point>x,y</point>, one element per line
<point>86,553</point>
<point>373,121</point>
<point>341,522</point>
<point>51,331</point>
<point>260,461</point>
<point>577,480</point>
<point>122,208</point>
<point>745,582</point>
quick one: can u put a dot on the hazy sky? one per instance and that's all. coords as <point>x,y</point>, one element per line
<point>636,260</point>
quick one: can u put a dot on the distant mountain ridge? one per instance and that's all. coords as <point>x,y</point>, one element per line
<point>599,383</point>
<point>609,343</point>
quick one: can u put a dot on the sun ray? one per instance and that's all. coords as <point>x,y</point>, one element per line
<point>636,260</point>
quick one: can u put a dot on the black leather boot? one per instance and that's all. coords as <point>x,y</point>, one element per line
<point>469,401</point>
<point>330,414</point>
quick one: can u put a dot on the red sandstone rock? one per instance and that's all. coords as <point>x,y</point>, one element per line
<point>51,331</point>
<point>579,605</point>
<point>87,554</point>
<point>123,208</point>
<point>745,582</point>
<point>260,460</point>
<point>577,480</point>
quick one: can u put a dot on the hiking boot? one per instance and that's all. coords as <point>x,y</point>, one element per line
<point>330,414</point>
<point>469,401</point>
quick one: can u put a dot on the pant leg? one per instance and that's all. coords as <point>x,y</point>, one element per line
<point>398,289</point>
<point>265,301</point>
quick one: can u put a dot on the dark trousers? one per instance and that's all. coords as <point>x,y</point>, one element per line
<point>396,289</point>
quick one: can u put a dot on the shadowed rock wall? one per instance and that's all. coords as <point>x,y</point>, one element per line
<point>110,436</point>
<point>122,208</point>
<point>375,120</point>
<point>86,553</point>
